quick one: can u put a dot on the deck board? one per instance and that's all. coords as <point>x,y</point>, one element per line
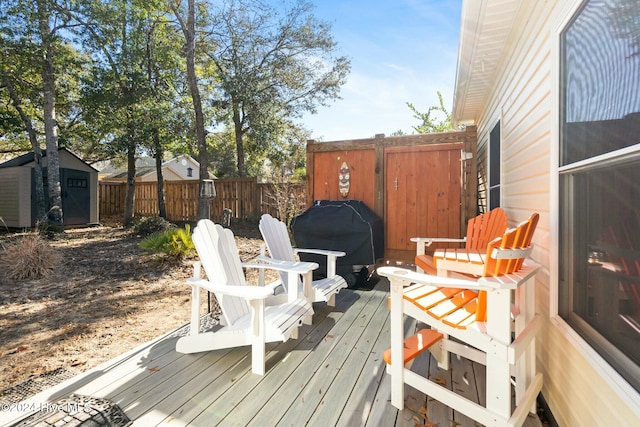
<point>333,374</point>
<point>306,385</point>
<point>348,368</point>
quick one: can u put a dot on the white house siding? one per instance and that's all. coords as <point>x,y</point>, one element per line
<point>578,386</point>
<point>182,170</point>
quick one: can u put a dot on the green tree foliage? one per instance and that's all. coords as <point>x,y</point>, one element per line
<point>271,67</point>
<point>37,63</point>
<point>111,80</point>
<point>129,95</point>
<point>430,123</point>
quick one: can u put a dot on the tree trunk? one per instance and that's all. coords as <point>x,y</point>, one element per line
<point>41,206</point>
<point>162,210</point>
<point>189,31</point>
<point>50,125</point>
<point>203,158</point>
<point>130,198</point>
<point>237,124</point>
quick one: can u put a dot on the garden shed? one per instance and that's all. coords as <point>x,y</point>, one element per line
<point>79,183</point>
<point>421,185</point>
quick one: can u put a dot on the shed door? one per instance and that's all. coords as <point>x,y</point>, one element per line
<point>422,194</point>
<point>76,196</point>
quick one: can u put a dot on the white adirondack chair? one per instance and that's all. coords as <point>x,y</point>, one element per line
<point>274,232</point>
<point>248,318</point>
<point>481,312</point>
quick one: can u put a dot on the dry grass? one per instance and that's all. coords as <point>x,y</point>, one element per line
<point>104,297</point>
<point>28,257</point>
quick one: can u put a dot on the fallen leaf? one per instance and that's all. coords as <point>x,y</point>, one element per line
<point>428,422</point>
<point>154,369</point>
<point>439,380</point>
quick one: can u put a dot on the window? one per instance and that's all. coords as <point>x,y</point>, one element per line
<point>494,167</point>
<point>189,171</point>
<point>599,275</point>
<point>76,183</point>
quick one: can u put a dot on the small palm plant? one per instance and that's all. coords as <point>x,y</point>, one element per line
<point>175,242</point>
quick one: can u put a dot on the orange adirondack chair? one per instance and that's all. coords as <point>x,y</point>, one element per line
<point>478,313</point>
<point>480,231</point>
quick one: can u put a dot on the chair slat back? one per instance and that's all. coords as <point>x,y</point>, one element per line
<point>276,237</point>
<point>516,238</point>
<point>484,228</point>
<point>220,259</point>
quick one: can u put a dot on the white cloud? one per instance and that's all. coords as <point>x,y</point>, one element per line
<point>376,103</point>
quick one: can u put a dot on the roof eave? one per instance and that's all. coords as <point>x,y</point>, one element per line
<point>485,29</point>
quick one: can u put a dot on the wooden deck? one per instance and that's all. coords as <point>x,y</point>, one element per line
<point>333,374</point>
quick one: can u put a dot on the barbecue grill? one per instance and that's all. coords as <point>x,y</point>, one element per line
<point>343,225</point>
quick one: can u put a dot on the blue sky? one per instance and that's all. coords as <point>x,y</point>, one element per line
<point>401,51</point>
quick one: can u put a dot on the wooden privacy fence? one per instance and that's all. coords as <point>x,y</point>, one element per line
<point>420,185</point>
<point>245,197</point>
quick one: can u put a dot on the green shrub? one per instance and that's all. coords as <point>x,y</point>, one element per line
<point>149,225</point>
<point>27,257</point>
<point>174,242</point>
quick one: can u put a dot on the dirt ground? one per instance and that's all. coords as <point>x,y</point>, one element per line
<point>106,297</point>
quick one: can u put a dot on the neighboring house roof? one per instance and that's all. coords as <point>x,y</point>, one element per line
<point>29,157</point>
<point>485,37</point>
<point>146,166</point>
<point>108,168</point>
<point>139,172</point>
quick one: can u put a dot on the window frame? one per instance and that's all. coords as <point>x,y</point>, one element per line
<point>608,374</point>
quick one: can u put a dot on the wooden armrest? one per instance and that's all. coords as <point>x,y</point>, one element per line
<point>429,240</point>
<point>513,280</point>
<point>331,255</point>
<point>444,282</point>
<point>326,252</point>
<point>422,242</point>
<point>246,292</point>
<point>507,253</point>
<point>298,267</point>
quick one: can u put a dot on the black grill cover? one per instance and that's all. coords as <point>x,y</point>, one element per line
<point>343,225</point>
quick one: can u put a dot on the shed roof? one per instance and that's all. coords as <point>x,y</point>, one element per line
<point>21,160</point>
<point>25,159</point>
